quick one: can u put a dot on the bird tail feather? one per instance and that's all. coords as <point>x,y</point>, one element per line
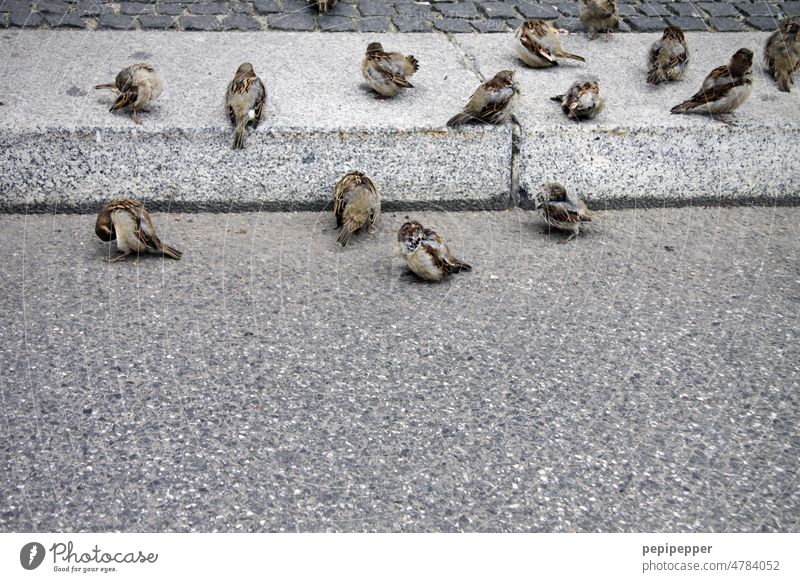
<point>171,252</point>
<point>238,136</point>
<point>683,107</point>
<point>460,119</point>
<point>572,56</point>
<point>106,86</point>
<point>656,76</point>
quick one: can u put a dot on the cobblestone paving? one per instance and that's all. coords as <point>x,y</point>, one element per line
<point>383,15</point>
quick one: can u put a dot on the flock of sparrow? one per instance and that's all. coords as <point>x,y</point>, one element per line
<point>357,200</point>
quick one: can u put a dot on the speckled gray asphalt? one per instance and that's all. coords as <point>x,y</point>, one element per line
<point>640,378</point>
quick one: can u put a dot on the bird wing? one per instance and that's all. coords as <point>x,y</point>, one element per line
<point>392,71</point>
<point>532,44</point>
<point>562,211</point>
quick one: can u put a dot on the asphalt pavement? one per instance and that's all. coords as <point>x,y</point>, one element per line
<point>642,377</point>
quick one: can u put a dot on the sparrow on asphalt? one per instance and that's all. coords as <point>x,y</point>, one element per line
<point>387,73</point>
<point>244,102</point>
<point>562,210</point>
<point>492,102</point>
<point>597,15</point>
<point>725,88</point>
<point>127,222</point>
<point>135,85</point>
<point>668,57</point>
<point>356,204</point>
<point>426,254</point>
<point>536,43</point>
<point>782,53</point>
<point>582,101</point>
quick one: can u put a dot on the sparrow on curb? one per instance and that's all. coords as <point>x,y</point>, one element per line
<point>127,222</point>
<point>597,15</point>
<point>562,210</point>
<point>325,5</point>
<point>135,85</point>
<point>668,57</point>
<point>725,88</point>
<point>537,45</point>
<point>582,101</point>
<point>387,73</point>
<point>356,204</point>
<point>244,102</point>
<point>492,102</point>
<point>426,254</point>
<point>782,53</point>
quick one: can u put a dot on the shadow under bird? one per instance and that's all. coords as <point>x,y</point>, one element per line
<point>135,86</point>
<point>782,53</point>
<point>492,102</point>
<point>244,102</point>
<point>356,205</point>
<point>599,15</point>
<point>668,57</point>
<point>387,73</point>
<point>582,100</point>
<point>426,254</point>
<point>537,45</point>
<point>562,210</point>
<point>128,223</point>
<point>725,88</point>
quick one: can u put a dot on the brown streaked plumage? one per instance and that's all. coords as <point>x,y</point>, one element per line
<point>725,88</point>
<point>387,72</point>
<point>582,100</point>
<point>128,223</point>
<point>782,53</point>
<point>562,210</point>
<point>426,254</point>
<point>598,15</point>
<point>537,45</point>
<point>356,204</point>
<point>244,102</point>
<point>492,102</point>
<point>135,85</point>
<point>668,57</point>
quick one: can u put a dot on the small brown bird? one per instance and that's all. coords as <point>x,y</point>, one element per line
<point>597,15</point>
<point>356,204</point>
<point>725,88</point>
<point>135,85</point>
<point>536,43</point>
<point>244,102</point>
<point>668,57</point>
<point>425,252</point>
<point>492,102</point>
<point>782,53</point>
<point>562,210</point>
<point>127,222</point>
<point>325,5</point>
<point>387,73</point>
<point>582,101</point>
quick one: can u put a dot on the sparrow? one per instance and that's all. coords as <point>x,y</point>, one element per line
<point>387,73</point>
<point>426,254</point>
<point>127,222</point>
<point>597,15</point>
<point>244,102</point>
<point>562,210</point>
<point>325,5</point>
<point>136,85</point>
<point>582,101</point>
<point>725,88</point>
<point>492,102</point>
<point>536,43</point>
<point>782,53</point>
<point>356,204</point>
<point>668,57</point>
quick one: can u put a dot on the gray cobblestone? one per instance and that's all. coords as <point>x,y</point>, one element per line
<point>452,25</point>
<point>646,23</point>
<point>52,7</point>
<point>369,8</point>
<point>238,21</point>
<point>791,8</point>
<point>726,24</point>
<point>490,25</point>
<point>205,23</point>
<point>536,10</point>
<point>267,6</point>
<point>207,8</point>
<point>498,10</point>
<point>136,8</point>
<point>654,10</point>
<point>411,23</point>
<point>459,10</point>
<point>170,9</point>
<point>64,21</point>
<point>687,22</point>
<point>758,9</point>
<point>718,9</point>
<point>150,22</point>
<point>296,21</point>
<point>684,9</point>
<point>375,24</point>
<point>761,22</point>
<point>333,23</point>
<point>115,22</point>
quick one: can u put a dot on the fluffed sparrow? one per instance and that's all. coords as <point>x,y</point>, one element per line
<point>725,88</point>
<point>562,210</point>
<point>536,43</point>
<point>127,222</point>
<point>782,53</point>
<point>386,73</point>
<point>356,204</point>
<point>135,85</point>
<point>492,102</point>
<point>244,101</point>
<point>426,254</point>
<point>582,101</point>
<point>668,57</point>
<point>597,15</point>
<point>325,5</point>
